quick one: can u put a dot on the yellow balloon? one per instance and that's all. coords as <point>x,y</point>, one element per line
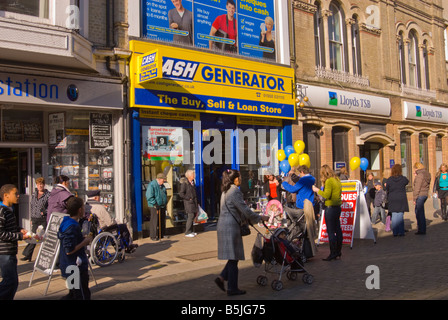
<point>304,160</point>
<point>281,155</point>
<point>293,159</point>
<point>165,164</point>
<point>299,146</point>
<point>355,162</point>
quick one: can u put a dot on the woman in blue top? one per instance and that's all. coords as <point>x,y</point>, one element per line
<point>441,188</point>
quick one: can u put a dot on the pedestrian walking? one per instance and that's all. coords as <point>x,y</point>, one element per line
<point>73,251</point>
<point>332,195</point>
<point>234,212</point>
<point>188,194</point>
<point>39,205</point>
<point>157,199</point>
<point>397,200</point>
<point>379,204</point>
<point>440,188</point>
<point>369,192</point>
<point>10,233</point>
<point>57,201</point>
<point>422,182</point>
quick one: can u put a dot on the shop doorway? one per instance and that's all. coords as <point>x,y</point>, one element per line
<point>18,166</point>
<point>372,151</point>
<point>311,138</point>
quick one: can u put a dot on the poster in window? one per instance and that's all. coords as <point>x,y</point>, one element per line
<point>100,128</point>
<point>56,126</point>
<point>162,143</point>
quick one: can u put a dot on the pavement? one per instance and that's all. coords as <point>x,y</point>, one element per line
<point>180,268</point>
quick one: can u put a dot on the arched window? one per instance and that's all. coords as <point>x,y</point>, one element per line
<point>336,23</point>
<point>401,55</point>
<point>426,64</point>
<point>319,43</point>
<point>414,61</point>
<point>356,47</point>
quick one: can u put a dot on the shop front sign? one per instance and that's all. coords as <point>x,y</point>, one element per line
<point>203,82</point>
<point>422,112</point>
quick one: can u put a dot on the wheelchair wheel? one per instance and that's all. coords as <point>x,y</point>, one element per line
<point>104,249</point>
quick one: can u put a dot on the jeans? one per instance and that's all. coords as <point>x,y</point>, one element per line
<point>230,274</point>
<point>397,223</point>
<point>10,282</point>
<point>333,222</point>
<point>189,224</point>
<point>379,210</point>
<point>420,213</point>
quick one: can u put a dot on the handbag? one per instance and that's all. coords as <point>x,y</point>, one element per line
<point>244,227</point>
<point>388,223</point>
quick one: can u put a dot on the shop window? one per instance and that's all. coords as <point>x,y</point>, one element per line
<point>35,8</point>
<point>406,155</point>
<point>439,155</point>
<point>340,145</point>
<point>81,147</point>
<point>21,126</point>
<point>423,149</point>
<point>167,150</point>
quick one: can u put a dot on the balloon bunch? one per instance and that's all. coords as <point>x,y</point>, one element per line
<point>292,156</point>
<point>356,163</point>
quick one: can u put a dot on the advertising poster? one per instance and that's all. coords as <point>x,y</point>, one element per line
<point>245,27</point>
<point>162,143</point>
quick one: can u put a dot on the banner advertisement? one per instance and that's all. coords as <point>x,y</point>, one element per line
<point>245,27</point>
<point>203,82</point>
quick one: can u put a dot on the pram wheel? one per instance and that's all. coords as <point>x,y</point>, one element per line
<point>262,280</point>
<point>308,278</point>
<point>291,275</point>
<point>277,285</point>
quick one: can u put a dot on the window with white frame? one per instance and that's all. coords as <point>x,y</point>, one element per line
<point>319,43</point>
<point>35,8</point>
<point>356,47</point>
<point>413,61</point>
<point>336,37</point>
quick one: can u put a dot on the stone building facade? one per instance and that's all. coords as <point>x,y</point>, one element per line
<point>372,83</point>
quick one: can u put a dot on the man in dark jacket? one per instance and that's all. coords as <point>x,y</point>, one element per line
<point>188,194</point>
<point>72,252</point>
<point>10,233</point>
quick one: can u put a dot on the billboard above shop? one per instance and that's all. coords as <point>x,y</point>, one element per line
<point>204,82</point>
<point>244,27</point>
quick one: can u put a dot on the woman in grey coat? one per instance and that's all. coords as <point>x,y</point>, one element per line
<point>234,212</point>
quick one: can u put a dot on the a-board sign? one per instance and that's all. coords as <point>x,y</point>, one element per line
<point>354,215</point>
<point>49,249</point>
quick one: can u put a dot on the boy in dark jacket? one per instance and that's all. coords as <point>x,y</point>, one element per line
<point>379,203</point>
<point>73,251</point>
<point>10,233</point>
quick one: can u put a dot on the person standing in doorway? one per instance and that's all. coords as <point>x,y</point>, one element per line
<point>39,204</point>
<point>397,200</point>
<point>422,182</point>
<point>332,195</point>
<point>10,233</point>
<point>157,199</point>
<point>188,194</point>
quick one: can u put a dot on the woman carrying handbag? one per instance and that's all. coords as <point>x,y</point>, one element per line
<point>234,213</point>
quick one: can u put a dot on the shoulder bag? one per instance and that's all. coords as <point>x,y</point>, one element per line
<point>244,227</point>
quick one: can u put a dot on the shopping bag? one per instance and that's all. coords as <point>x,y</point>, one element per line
<point>202,215</point>
<point>435,201</point>
<point>257,251</point>
<point>388,223</point>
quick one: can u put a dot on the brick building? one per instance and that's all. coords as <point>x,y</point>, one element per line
<point>374,77</point>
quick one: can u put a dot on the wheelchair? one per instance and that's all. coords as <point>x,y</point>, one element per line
<point>107,245</point>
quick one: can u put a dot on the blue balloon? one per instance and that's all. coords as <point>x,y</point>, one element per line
<point>289,150</point>
<point>364,164</point>
<point>285,166</point>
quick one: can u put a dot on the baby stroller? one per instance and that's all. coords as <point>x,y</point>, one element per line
<point>277,216</point>
<point>280,257</point>
<point>297,233</point>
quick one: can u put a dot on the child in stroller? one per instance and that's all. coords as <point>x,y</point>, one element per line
<point>277,217</point>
